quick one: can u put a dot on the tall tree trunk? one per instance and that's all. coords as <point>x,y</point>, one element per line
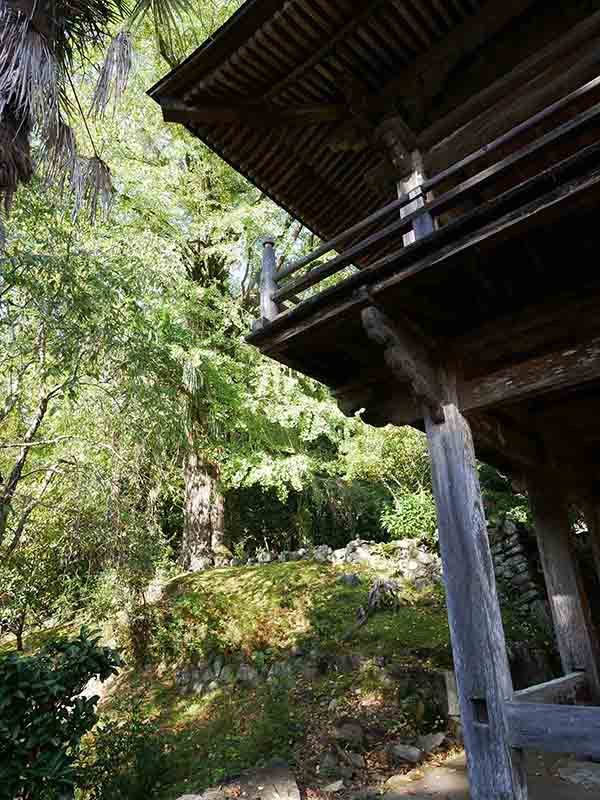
<point>18,631</point>
<point>203,513</point>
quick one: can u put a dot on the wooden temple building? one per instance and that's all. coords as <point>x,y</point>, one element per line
<point>447,153</point>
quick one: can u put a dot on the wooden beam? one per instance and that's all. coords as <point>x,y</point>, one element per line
<point>256,115</point>
<point>507,440</point>
<point>554,728</point>
<point>547,373</point>
<point>576,637</point>
<point>574,47</point>
<point>406,356</point>
<point>480,659</point>
<point>553,691</point>
<point>423,78</point>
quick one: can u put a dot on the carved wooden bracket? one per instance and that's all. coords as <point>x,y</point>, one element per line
<point>407,358</point>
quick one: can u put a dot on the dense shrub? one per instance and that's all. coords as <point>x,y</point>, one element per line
<point>43,715</point>
<point>412,516</point>
<point>124,759</point>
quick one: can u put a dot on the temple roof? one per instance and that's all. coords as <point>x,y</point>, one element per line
<point>299,95</point>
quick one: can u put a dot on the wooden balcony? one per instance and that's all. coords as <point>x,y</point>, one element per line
<point>492,262</point>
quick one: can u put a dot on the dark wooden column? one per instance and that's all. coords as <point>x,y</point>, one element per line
<point>577,643</point>
<point>592,520</point>
<point>480,659</point>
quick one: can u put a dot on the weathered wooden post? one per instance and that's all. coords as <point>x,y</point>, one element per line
<point>268,307</point>
<point>412,186</point>
<point>577,642</point>
<point>481,663</point>
<point>592,519</point>
<point>478,644</point>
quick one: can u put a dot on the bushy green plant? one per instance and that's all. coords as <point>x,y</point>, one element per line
<point>412,516</point>
<point>125,759</point>
<point>43,715</point>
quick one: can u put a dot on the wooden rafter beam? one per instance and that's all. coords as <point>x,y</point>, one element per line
<point>423,78</point>
<point>258,115</point>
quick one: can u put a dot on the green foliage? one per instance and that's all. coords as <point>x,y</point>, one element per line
<point>411,516</point>
<point>43,715</point>
<point>125,759</point>
<point>500,500</point>
<point>134,756</point>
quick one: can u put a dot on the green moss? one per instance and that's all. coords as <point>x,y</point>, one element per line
<point>263,612</point>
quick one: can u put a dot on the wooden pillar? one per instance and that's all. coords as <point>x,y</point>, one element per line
<point>411,185</point>
<point>577,643</point>
<point>480,658</point>
<point>268,307</point>
<point>592,520</point>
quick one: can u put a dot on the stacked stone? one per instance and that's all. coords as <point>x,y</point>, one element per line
<point>515,569</point>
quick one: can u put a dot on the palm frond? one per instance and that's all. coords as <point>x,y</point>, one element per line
<point>114,74</point>
<point>91,184</point>
<point>58,152</point>
<point>28,67</point>
<point>166,16</point>
<point>16,165</point>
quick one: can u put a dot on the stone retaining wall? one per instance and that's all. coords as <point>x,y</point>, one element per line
<point>518,571</point>
<point>436,688</point>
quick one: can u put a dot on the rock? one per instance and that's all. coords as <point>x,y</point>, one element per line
<point>236,562</point>
<point>328,764</point>
<point>191,797</point>
<point>322,553</point>
<point>360,555</point>
<point>425,558</point>
<point>217,666</point>
<point>310,671</point>
<point>366,793</point>
<point>264,557</point>
<point>509,527</point>
<point>356,760</point>
<point>431,742</point>
<point>404,752</point>
<point>346,662</point>
<point>397,783</point>
<point>351,732</point>
<point>302,553</point>
<point>339,556</point>
<point>581,773</point>
<point>333,704</point>
<point>281,671</point>
<point>269,783</point>
<point>352,579</point>
<point>227,674</point>
<point>200,563</point>
<point>247,675</point>
<point>336,786</point>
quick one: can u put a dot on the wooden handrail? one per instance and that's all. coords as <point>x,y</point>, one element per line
<point>523,127</point>
<point>434,181</point>
<point>442,203</point>
<point>403,200</point>
<point>552,691</point>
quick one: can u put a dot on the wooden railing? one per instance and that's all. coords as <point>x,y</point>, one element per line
<point>546,718</point>
<point>415,212</point>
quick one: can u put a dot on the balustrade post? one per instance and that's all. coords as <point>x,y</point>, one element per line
<point>412,185</point>
<point>269,309</point>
